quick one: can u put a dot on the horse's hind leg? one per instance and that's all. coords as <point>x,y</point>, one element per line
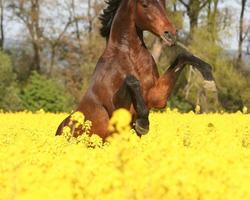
<point>62,125</point>
<point>130,92</point>
<point>94,112</point>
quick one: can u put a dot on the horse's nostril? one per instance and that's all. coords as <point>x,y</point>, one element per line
<point>169,37</point>
<point>167,33</point>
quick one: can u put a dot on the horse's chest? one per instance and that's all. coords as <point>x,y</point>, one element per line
<point>143,67</point>
<point>146,74</point>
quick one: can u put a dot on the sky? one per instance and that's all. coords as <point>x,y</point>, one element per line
<point>230,42</point>
<point>234,5</point>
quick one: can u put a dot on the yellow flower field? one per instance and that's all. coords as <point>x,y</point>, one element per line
<point>185,156</point>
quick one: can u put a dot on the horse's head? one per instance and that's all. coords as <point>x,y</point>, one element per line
<point>151,16</point>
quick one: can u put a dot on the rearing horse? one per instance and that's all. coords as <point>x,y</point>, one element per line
<point>126,75</point>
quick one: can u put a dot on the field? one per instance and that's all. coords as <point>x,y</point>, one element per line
<point>185,156</point>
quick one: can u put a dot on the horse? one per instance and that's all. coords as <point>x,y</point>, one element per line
<point>126,75</point>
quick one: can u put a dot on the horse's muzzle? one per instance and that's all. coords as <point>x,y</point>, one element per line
<point>169,38</point>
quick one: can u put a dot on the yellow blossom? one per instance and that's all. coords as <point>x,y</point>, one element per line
<point>120,120</point>
<point>184,156</point>
<point>245,110</point>
<point>197,109</point>
<point>78,117</point>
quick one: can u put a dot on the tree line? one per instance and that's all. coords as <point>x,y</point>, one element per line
<point>49,49</point>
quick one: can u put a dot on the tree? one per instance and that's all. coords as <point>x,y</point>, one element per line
<point>28,11</point>
<point>9,92</point>
<point>212,18</point>
<point>76,20</point>
<point>242,36</point>
<point>55,34</point>
<point>248,45</point>
<point>2,4</point>
<point>193,9</point>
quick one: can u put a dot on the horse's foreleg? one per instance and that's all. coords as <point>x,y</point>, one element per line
<point>158,95</point>
<point>204,68</point>
<point>129,93</point>
<point>188,59</point>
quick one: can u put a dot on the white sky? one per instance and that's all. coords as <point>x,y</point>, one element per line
<point>234,5</point>
<point>13,29</point>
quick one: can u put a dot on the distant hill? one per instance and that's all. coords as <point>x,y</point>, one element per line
<point>15,43</point>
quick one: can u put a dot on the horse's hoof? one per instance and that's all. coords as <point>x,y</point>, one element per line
<point>142,126</point>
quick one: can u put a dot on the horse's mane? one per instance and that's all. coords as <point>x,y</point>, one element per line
<point>107,16</point>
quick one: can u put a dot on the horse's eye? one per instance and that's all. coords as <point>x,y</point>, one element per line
<point>144,3</point>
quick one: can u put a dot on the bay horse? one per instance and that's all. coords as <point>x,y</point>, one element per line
<point>126,75</point>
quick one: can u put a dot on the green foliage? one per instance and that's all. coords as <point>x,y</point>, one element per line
<point>234,91</point>
<point>12,101</point>
<point>205,46</point>
<point>6,73</point>
<point>42,93</point>
<point>180,103</point>
<point>9,92</point>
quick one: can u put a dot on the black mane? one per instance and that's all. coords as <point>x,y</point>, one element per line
<point>107,17</point>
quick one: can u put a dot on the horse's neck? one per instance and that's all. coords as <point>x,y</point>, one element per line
<point>124,34</point>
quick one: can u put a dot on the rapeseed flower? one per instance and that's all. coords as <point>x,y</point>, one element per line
<point>184,156</point>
